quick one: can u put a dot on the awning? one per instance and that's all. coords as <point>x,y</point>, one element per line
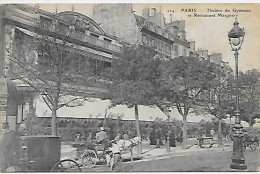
<point>96,108</point>
<point>243,123</point>
<point>192,118</point>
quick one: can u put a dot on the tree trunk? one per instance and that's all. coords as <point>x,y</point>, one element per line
<point>54,115</point>
<point>139,146</point>
<point>137,122</point>
<point>219,132</point>
<point>184,133</point>
<point>105,119</point>
<point>117,125</point>
<point>251,122</point>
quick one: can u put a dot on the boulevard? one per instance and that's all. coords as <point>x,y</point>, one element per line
<point>199,161</point>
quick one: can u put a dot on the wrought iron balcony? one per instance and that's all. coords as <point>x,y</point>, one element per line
<point>27,17</point>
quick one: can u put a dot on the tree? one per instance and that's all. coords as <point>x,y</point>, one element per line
<point>50,66</point>
<point>182,81</point>
<point>134,77</point>
<point>250,95</point>
<point>219,100</point>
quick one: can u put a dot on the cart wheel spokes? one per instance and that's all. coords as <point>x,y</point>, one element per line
<point>66,165</point>
<point>89,158</point>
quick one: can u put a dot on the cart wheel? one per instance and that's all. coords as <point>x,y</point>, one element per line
<point>253,146</point>
<point>66,165</point>
<point>89,158</point>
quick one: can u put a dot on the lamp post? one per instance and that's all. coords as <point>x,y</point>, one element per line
<point>236,38</point>
<point>168,130</point>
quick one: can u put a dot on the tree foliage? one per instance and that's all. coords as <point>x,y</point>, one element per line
<point>135,76</point>
<point>219,100</point>
<point>250,95</point>
<point>182,81</point>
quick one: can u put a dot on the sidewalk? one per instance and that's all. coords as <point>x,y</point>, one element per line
<point>149,152</point>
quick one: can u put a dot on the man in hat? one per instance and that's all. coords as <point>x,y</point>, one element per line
<point>101,135</point>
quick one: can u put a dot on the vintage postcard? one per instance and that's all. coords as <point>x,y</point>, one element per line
<point>130,87</point>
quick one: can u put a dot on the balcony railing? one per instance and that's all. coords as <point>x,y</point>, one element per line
<point>32,20</point>
<point>22,17</point>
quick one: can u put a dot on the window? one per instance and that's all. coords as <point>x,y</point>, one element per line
<point>183,35</point>
<point>168,49</point>
<point>94,35</point>
<point>63,28</point>
<point>159,46</point>
<point>144,39</point>
<point>107,40</point>
<point>45,22</point>
<point>184,52</point>
<point>176,53</point>
<point>153,43</point>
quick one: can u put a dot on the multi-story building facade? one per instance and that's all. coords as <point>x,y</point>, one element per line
<point>88,46</point>
<point>168,39</point>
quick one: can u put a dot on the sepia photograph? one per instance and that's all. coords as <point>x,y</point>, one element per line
<point>129,87</point>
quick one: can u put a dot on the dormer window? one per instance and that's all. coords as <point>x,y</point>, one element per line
<point>107,40</point>
<point>94,35</point>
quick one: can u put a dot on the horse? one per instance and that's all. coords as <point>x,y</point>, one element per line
<point>129,144</point>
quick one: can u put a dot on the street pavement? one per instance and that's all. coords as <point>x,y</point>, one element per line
<point>192,159</point>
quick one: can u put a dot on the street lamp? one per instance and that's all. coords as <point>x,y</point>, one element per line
<point>168,130</point>
<point>236,38</point>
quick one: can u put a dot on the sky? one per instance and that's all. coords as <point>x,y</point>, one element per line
<point>210,33</point>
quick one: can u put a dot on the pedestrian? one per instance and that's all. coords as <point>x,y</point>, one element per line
<point>158,137</point>
<point>126,137</point>
<point>89,138</point>
<point>172,139</point>
<point>212,133</point>
<point>118,137</point>
<point>101,135</point>
<point>152,137</point>
<point>200,140</point>
<point>78,137</point>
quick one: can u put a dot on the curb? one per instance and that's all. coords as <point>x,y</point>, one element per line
<point>188,152</point>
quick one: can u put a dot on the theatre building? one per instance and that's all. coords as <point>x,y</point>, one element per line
<point>85,48</point>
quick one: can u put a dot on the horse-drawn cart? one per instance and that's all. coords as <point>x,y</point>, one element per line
<point>87,155</point>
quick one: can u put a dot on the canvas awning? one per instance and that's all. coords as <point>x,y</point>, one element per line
<point>192,118</point>
<point>96,108</point>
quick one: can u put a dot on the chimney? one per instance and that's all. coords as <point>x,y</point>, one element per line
<point>154,11</point>
<point>145,13</point>
<point>216,58</point>
<point>182,25</point>
<point>205,54</point>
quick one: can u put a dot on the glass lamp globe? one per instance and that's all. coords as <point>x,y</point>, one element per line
<point>235,41</point>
